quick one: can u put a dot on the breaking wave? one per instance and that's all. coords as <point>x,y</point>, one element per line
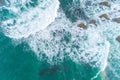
<point>64,39</point>
<point>23,18</point>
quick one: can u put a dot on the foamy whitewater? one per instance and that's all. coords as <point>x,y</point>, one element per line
<point>62,38</point>
<point>27,19</point>
<point>50,33</point>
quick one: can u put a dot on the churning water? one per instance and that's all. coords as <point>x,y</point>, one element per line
<point>59,40</point>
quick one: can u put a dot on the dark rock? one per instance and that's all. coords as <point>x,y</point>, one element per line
<point>116,20</point>
<point>105,3</point>
<point>104,16</point>
<point>118,38</point>
<point>82,25</point>
<point>93,22</point>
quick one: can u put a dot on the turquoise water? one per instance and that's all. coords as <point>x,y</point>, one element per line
<point>40,40</point>
<point>20,63</point>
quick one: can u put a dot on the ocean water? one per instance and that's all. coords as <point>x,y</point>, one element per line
<point>42,40</point>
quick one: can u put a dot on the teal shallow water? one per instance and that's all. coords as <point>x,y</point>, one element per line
<point>20,63</point>
<point>16,63</point>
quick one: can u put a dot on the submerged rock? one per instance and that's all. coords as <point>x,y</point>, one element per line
<point>82,25</point>
<point>51,70</point>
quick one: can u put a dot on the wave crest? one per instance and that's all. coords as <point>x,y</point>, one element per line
<point>28,19</point>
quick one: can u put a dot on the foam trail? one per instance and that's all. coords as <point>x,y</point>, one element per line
<point>94,77</point>
<point>28,18</point>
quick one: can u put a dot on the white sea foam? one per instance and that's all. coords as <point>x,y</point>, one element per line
<point>63,38</point>
<point>30,21</point>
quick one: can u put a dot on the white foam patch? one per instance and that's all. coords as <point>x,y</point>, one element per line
<point>30,21</point>
<point>64,39</point>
